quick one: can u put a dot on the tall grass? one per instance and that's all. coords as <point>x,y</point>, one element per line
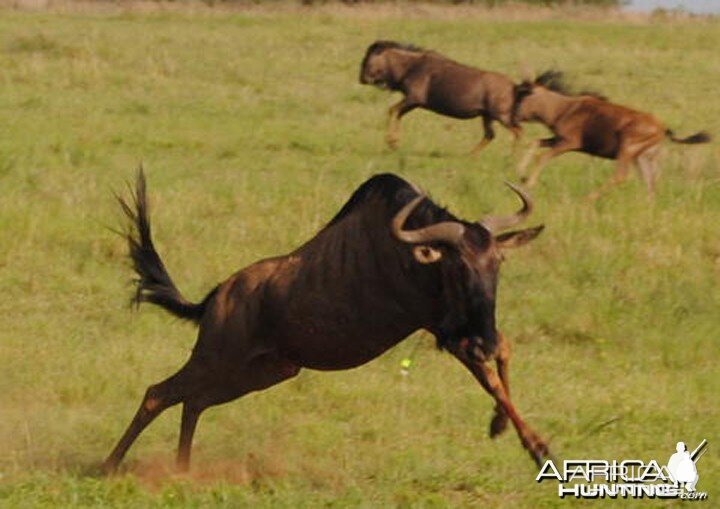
<point>253,131</point>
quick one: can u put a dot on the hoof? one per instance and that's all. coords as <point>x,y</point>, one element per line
<point>108,469</point>
<point>498,424</point>
<point>540,453</point>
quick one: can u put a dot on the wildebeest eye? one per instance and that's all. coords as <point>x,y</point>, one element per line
<point>426,254</point>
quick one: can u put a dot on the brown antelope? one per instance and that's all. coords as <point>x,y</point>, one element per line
<point>434,82</point>
<point>591,124</point>
<point>390,263</point>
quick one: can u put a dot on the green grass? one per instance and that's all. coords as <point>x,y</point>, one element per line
<point>253,131</point>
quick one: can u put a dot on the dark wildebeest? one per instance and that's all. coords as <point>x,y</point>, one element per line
<point>589,123</point>
<point>434,82</point>
<point>391,262</point>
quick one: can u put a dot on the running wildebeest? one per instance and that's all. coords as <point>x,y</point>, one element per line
<point>591,124</point>
<point>391,262</point>
<point>434,82</point>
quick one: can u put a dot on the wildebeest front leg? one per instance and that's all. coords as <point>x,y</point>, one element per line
<point>557,146</point>
<point>517,133</point>
<point>622,170</point>
<point>395,113</point>
<point>472,357</point>
<point>502,361</point>
<point>487,137</point>
<point>527,158</point>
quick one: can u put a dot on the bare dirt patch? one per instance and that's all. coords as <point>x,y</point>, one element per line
<point>156,472</point>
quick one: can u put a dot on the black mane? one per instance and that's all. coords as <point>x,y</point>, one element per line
<point>378,46</point>
<point>396,192</point>
<point>554,80</point>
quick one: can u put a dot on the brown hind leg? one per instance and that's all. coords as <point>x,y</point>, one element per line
<point>158,398</point>
<point>190,415</point>
<point>489,135</point>
<point>473,359</point>
<point>198,386</point>
<point>261,372</point>
<point>647,165</point>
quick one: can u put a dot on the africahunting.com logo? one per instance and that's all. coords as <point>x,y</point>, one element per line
<point>628,478</point>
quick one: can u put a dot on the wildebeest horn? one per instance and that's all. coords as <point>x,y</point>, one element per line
<point>496,224</point>
<point>448,231</point>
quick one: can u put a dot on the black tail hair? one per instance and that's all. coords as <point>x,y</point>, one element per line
<point>154,284</point>
<point>700,137</point>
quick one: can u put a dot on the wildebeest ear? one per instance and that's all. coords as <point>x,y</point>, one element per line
<point>518,238</point>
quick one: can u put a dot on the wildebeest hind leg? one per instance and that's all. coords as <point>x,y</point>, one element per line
<point>647,164</point>
<point>260,372</point>
<point>190,415</point>
<point>158,398</point>
<point>471,357</point>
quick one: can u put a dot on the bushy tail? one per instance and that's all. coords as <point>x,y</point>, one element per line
<point>153,283</point>
<point>701,137</point>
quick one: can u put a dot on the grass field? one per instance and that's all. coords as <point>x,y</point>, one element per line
<point>253,131</point>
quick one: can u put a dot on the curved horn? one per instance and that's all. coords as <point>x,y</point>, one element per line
<point>448,231</point>
<point>496,224</point>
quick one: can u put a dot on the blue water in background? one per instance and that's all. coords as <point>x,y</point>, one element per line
<point>694,6</point>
